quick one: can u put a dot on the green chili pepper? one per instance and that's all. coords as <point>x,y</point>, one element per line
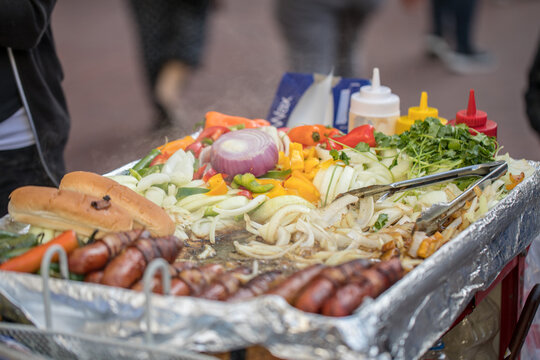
<point>145,161</point>
<point>54,271</point>
<point>381,221</point>
<point>7,234</point>
<point>187,191</point>
<point>14,252</point>
<point>135,174</point>
<point>249,181</point>
<point>210,212</point>
<point>151,170</point>
<point>276,174</point>
<point>21,241</point>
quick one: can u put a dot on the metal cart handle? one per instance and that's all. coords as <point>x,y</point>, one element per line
<point>45,265</point>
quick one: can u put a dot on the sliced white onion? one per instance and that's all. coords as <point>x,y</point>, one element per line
<point>156,195</point>
<point>252,204</point>
<point>152,179</point>
<point>244,151</point>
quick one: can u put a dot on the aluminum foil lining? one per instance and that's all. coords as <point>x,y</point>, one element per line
<point>402,323</point>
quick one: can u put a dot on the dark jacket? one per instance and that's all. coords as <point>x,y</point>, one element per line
<point>25,27</point>
<point>532,96</point>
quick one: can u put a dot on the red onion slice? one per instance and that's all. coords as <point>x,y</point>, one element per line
<point>243,151</point>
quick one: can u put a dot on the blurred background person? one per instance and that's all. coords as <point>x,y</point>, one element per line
<point>34,120</point>
<point>172,36</point>
<point>532,95</point>
<point>451,37</point>
<point>321,35</point>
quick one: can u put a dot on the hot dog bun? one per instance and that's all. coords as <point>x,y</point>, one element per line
<point>144,212</point>
<point>64,210</point>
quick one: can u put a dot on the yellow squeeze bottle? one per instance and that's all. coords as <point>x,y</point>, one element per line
<point>418,113</point>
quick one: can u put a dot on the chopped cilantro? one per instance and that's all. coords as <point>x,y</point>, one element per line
<point>362,147</point>
<point>432,146</point>
<point>340,155</point>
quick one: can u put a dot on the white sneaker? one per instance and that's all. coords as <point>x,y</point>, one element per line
<point>436,46</point>
<point>466,64</point>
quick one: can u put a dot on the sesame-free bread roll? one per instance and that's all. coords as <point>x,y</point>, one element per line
<point>145,213</point>
<point>66,210</point>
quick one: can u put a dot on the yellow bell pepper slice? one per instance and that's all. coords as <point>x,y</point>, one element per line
<point>303,187</point>
<point>217,185</point>
<point>278,189</point>
<point>297,160</point>
<point>294,146</point>
<point>284,162</point>
<point>310,152</point>
<point>310,163</point>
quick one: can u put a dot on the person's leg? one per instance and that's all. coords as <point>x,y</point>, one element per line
<point>310,32</point>
<point>437,40</point>
<point>352,21</point>
<point>150,25</point>
<point>437,13</point>
<point>465,14</point>
<point>182,45</point>
<point>20,167</point>
<point>467,59</point>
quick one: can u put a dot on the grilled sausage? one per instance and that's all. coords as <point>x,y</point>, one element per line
<point>94,277</point>
<point>96,255</point>
<point>256,286</point>
<point>370,283</point>
<point>224,285</point>
<point>128,267</point>
<point>314,295</point>
<point>291,286</point>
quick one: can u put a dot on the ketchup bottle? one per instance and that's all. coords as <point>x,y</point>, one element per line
<point>475,119</point>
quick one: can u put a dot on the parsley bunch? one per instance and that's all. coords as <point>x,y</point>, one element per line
<point>433,147</point>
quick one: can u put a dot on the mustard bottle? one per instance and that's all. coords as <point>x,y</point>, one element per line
<point>420,112</point>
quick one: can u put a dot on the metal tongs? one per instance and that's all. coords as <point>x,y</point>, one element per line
<point>431,219</point>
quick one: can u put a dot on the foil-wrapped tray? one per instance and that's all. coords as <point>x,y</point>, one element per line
<point>402,323</point>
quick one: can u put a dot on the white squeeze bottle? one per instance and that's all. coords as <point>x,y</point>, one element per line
<point>376,105</point>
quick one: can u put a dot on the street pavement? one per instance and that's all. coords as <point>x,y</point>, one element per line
<point>244,60</point>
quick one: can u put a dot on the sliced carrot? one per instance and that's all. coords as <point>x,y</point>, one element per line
<point>30,261</point>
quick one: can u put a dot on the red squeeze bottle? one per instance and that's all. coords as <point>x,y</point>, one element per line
<point>475,119</point>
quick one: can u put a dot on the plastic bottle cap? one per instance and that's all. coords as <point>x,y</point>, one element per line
<point>423,111</point>
<point>418,113</point>
<point>375,100</point>
<point>471,116</point>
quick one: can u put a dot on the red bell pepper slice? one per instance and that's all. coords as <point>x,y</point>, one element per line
<point>207,175</point>
<point>246,193</point>
<point>212,132</point>
<point>362,133</point>
<point>199,173</point>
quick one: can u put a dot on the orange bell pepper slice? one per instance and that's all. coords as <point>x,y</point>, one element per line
<point>214,118</point>
<point>311,135</point>
<point>173,146</point>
